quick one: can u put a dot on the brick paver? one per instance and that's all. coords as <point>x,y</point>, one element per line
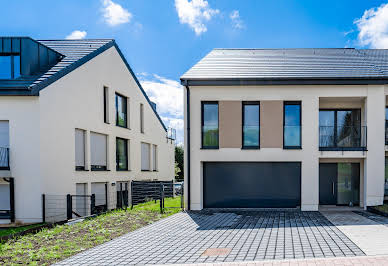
<point>240,236</point>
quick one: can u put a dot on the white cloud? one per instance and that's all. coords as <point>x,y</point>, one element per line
<point>195,13</point>
<point>373,27</point>
<point>168,96</point>
<point>115,14</point>
<point>237,22</point>
<point>76,35</point>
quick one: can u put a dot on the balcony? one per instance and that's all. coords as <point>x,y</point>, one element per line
<point>4,158</point>
<point>344,138</point>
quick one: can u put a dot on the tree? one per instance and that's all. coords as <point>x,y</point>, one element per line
<point>179,154</point>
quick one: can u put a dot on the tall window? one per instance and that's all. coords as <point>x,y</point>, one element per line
<point>251,125</point>
<point>141,118</point>
<point>9,66</point>
<point>292,138</point>
<point>121,111</point>
<point>79,149</point>
<point>121,154</point>
<point>145,156</point>
<point>386,177</point>
<point>106,105</point>
<point>386,125</point>
<point>210,125</point>
<point>154,157</point>
<point>98,151</point>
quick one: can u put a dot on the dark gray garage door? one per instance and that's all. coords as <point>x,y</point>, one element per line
<point>251,184</point>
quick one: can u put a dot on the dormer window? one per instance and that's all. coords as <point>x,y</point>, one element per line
<point>9,66</point>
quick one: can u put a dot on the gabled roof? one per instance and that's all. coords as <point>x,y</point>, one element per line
<point>73,53</point>
<point>290,66</point>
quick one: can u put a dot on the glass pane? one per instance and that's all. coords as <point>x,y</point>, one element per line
<point>386,177</point>
<point>292,125</point>
<point>121,105</point>
<point>326,129</point>
<point>251,125</point>
<point>122,160</point>
<point>16,66</point>
<point>5,67</point>
<point>348,128</point>
<point>348,184</point>
<point>210,125</point>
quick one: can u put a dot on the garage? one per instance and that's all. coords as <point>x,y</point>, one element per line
<point>251,184</point>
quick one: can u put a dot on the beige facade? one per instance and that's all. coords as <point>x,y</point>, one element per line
<point>370,99</point>
<point>230,124</point>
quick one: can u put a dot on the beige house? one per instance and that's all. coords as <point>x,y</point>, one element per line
<point>75,120</point>
<point>295,128</point>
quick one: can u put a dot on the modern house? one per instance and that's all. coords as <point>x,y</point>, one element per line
<point>286,128</point>
<point>74,119</point>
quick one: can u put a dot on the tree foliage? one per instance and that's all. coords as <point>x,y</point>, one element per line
<point>179,154</point>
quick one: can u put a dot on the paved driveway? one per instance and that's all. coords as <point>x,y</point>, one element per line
<point>224,236</point>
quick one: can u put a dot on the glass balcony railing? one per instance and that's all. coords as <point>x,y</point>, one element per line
<point>344,138</point>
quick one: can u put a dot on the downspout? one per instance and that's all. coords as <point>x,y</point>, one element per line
<point>188,143</point>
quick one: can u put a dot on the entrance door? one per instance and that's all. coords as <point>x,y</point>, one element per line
<point>328,184</point>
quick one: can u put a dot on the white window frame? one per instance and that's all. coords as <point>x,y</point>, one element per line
<point>78,147</point>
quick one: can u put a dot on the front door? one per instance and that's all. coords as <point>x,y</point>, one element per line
<point>328,184</point>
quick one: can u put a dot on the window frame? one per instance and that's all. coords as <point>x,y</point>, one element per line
<point>106,105</point>
<point>81,168</point>
<point>125,101</point>
<point>154,158</point>
<point>12,65</point>
<point>203,103</point>
<point>149,157</point>
<point>287,147</point>
<point>141,118</point>
<point>244,103</point>
<point>126,153</point>
<point>94,167</point>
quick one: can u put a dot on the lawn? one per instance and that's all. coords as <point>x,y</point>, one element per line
<point>51,245</point>
<point>382,208</point>
<point>10,231</point>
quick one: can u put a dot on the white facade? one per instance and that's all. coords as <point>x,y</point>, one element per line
<point>42,135</point>
<point>371,99</point>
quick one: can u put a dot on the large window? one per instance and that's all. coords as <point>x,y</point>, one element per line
<point>98,151</point>
<point>121,111</point>
<point>79,149</point>
<point>9,66</point>
<point>145,156</point>
<point>210,125</point>
<point>121,154</point>
<point>292,138</point>
<point>251,125</point>
<point>340,129</point>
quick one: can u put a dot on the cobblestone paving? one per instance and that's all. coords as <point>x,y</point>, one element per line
<point>374,217</point>
<point>244,235</point>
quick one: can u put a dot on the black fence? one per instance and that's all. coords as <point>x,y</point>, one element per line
<point>143,191</point>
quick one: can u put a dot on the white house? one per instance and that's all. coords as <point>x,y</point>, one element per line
<point>286,128</point>
<point>74,119</point>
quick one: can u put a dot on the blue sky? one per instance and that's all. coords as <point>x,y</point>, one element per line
<point>162,39</point>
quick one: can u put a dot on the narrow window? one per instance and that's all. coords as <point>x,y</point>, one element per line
<point>121,154</point>
<point>154,157</point>
<point>9,66</point>
<point>292,125</point>
<point>210,125</point>
<point>79,149</point>
<point>145,156</point>
<point>386,125</point>
<point>98,151</point>
<point>106,105</point>
<point>141,118</point>
<point>251,125</point>
<point>4,145</point>
<point>386,177</point>
<point>121,111</point>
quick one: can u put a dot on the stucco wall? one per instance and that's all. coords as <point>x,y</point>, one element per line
<point>309,155</point>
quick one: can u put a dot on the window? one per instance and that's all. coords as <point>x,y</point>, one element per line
<point>386,125</point>
<point>121,111</point>
<point>145,156</point>
<point>141,118</point>
<point>154,157</point>
<point>98,148</point>
<point>106,105</point>
<point>79,149</point>
<point>4,145</point>
<point>121,154</point>
<point>210,125</point>
<point>386,177</point>
<point>292,125</point>
<point>251,125</point>
<point>9,66</point>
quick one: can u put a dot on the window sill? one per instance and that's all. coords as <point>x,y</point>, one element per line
<point>100,170</point>
<point>155,170</point>
<point>251,148</point>
<point>146,170</point>
<point>123,170</point>
<point>82,170</point>
<point>291,148</point>
<point>210,148</point>
<point>123,127</point>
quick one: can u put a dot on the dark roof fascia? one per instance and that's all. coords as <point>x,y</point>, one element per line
<point>298,81</point>
<point>37,88</point>
<point>16,92</point>
<point>139,85</point>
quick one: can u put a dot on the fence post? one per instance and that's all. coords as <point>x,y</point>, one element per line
<point>69,207</point>
<point>161,197</point>
<point>92,203</point>
<point>43,208</point>
<point>182,199</point>
<point>131,195</point>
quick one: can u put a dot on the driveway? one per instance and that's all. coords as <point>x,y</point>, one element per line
<point>225,236</point>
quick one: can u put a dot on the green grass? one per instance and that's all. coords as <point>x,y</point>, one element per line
<point>11,231</point>
<point>382,208</point>
<point>51,245</point>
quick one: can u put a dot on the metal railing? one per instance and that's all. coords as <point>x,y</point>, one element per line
<point>4,158</point>
<point>171,134</point>
<point>342,138</point>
